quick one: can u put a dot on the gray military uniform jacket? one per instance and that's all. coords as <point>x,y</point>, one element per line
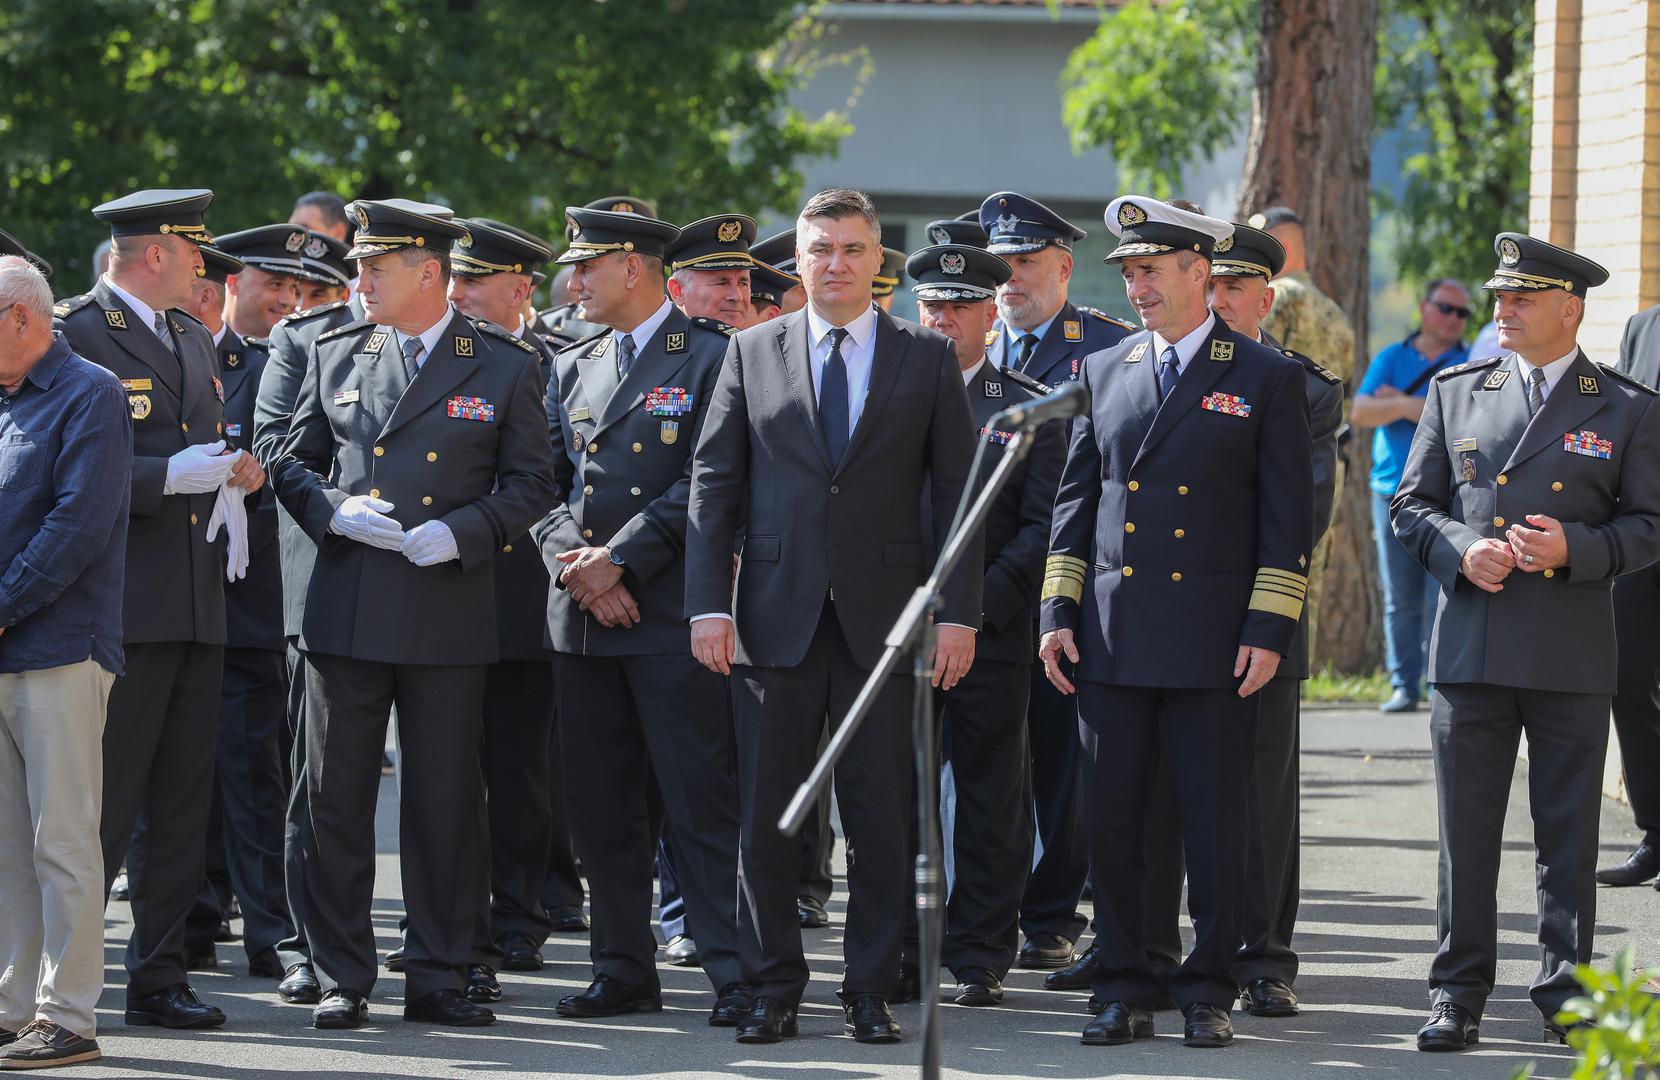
<point>464,443</point>
<point>1590,459</point>
<point>1074,333</point>
<point>175,581</point>
<point>623,466</point>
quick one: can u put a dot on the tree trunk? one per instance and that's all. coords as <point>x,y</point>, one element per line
<point>1311,149</point>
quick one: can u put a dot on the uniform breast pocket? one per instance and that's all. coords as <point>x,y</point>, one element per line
<point>23,461</point>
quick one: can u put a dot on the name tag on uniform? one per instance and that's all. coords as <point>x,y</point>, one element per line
<point>580,414</point>
<point>1231,404</point>
<point>233,430</point>
<point>471,408</point>
<point>1463,446</point>
<point>345,397</point>
<point>135,384</point>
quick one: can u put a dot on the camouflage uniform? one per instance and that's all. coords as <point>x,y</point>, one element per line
<point>1308,321</point>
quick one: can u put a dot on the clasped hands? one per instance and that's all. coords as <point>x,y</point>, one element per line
<point>1543,546</point>
<point>365,519</point>
<point>595,583</point>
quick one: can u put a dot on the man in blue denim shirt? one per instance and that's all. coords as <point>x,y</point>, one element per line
<point>65,457</point>
<point>1390,399</point>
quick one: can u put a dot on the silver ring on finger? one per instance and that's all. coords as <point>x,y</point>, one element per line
<point>1529,559</point>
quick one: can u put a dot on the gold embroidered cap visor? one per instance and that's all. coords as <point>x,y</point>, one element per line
<point>158,211</point>
<point>592,233</point>
<point>1527,264</point>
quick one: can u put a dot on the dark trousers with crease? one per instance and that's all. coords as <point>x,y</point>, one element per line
<point>1271,870</point>
<point>1637,696</point>
<point>628,724</point>
<point>296,826</point>
<point>440,722</point>
<point>1207,735</point>
<point>158,787</point>
<point>1056,884</point>
<point>780,715</point>
<point>1475,731</point>
<point>520,789</point>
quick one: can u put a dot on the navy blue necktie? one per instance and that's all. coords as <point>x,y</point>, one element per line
<point>1168,371</point>
<point>1023,356</point>
<point>832,399</point>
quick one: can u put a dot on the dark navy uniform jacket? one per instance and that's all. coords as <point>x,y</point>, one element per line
<point>175,582</point>
<point>464,443</point>
<point>1183,530</point>
<point>1075,333</point>
<point>1590,458</point>
<point>253,605</point>
<point>623,469</point>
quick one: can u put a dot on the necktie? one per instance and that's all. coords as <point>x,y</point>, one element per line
<point>412,349</point>
<point>1026,345</point>
<point>625,355</point>
<point>166,338</point>
<point>832,399</point>
<point>1168,371</point>
<point>1535,390</point>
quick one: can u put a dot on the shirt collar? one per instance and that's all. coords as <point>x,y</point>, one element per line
<point>522,332</point>
<point>973,373</point>
<point>1553,370</point>
<point>146,314</point>
<point>1188,347</point>
<point>51,362</point>
<point>1042,328</point>
<point>642,333</point>
<point>430,336</point>
<point>219,334</point>
<point>861,330</point>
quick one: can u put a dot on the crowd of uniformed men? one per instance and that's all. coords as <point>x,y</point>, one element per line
<point>615,565</point>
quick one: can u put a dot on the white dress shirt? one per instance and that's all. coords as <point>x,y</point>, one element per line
<point>429,337</point>
<point>146,314</point>
<point>642,333</point>
<point>1553,371</point>
<point>974,372</point>
<point>219,334</point>
<point>858,354</point>
<point>1187,348</point>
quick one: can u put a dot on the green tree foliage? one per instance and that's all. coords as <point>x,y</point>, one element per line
<point>1165,86</point>
<point>501,108</point>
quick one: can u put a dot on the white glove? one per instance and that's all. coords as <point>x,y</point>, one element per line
<point>363,518</point>
<point>430,543</point>
<point>198,469</point>
<point>229,511</point>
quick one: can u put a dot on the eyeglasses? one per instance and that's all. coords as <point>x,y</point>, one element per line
<point>1453,309</point>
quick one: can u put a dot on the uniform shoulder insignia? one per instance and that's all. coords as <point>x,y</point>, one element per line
<point>1635,384</point>
<point>715,325</point>
<point>1314,367</point>
<point>193,319</point>
<point>1469,365</point>
<point>352,327</point>
<point>1104,317</point>
<point>1027,381</point>
<point>259,342</point>
<point>603,331</point>
<point>497,332</point>
<point>306,313</point>
<point>68,307</point>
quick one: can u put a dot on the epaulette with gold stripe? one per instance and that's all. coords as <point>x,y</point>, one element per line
<point>342,331</point>
<point>64,308</point>
<point>485,326</point>
<point>306,313</point>
<point>714,324</point>
<point>1635,384</point>
<point>1279,592</point>
<point>1104,317</point>
<point>1063,577</point>
<point>1314,367</point>
<point>1468,365</point>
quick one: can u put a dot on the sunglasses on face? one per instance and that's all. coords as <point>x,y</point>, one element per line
<point>1453,309</point>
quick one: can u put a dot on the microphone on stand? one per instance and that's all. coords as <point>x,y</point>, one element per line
<point>1063,404</point>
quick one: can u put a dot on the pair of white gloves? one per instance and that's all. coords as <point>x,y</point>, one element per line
<point>364,518</point>
<point>205,467</point>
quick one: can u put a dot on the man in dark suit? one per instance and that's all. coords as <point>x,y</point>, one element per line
<point>163,710</point>
<point>1637,629</point>
<point>1530,487</point>
<point>1266,966</point>
<point>823,429</point>
<point>494,269</point>
<point>988,765</point>
<point>1043,334</point>
<point>1185,517</point>
<point>423,414</point>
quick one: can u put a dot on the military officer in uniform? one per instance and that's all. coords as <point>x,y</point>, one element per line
<point>1266,966</point>
<point>1530,486</point>
<point>778,252</point>
<point>163,712</point>
<point>963,229</point>
<point>1174,583</point>
<point>983,717</point>
<point>887,278</point>
<point>624,408</point>
<point>561,320</point>
<point>494,267</point>
<point>415,454</point>
<point>768,287</point>
<point>1044,335</point>
<point>324,275</point>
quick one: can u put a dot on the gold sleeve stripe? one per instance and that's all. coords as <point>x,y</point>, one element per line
<point>1285,579</point>
<point>1276,603</point>
<point>1064,564</point>
<point>1063,576</point>
<point>1065,588</point>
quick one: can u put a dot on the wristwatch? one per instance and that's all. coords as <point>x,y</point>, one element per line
<point>617,559</point>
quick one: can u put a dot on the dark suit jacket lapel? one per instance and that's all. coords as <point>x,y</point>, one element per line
<point>796,353</point>
<point>1139,381</point>
<point>1563,411</point>
<point>140,341</point>
<point>231,375</point>
<point>439,373</point>
<point>380,377</point>
<point>1201,374</point>
<point>981,404</point>
<point>891,343</point>
<point>596,370</point>
<point>197,384</point>
<point>654,366</point>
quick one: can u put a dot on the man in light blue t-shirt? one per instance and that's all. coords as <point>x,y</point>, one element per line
<point>1391,398</point>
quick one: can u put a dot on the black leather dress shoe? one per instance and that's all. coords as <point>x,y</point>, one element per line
<point>265,965</point>
<point>909,986</point>
<point>1640,866</point>
<point>681,951</point>
<point>811,910</point>
<point>482,987</point>
<point>1268,997</point>
<point>868,1019</point>
<point>1045,951</point>
<point>1557,1035</point>
<point>121,889</point>
<point>978,988</point>
<point>176,1006</point>
<point>394,959</point>
<point>1116,1024</point>
<point>568,920</point>
<point>7,1037</point>
<point>1165,1003</point>
<point>768,1022</point>
<point>608,997</point>
<point>519,952</point>
<point>340,1009</point>
<point>1450,1027</point>
<point>448,1007</point>
<point>299,986</point>
<point>1077,975</point>
<point>1206,1026</point>
<point>732,1004</point>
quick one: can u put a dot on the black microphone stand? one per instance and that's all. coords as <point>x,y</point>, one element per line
<point>913,632</point>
